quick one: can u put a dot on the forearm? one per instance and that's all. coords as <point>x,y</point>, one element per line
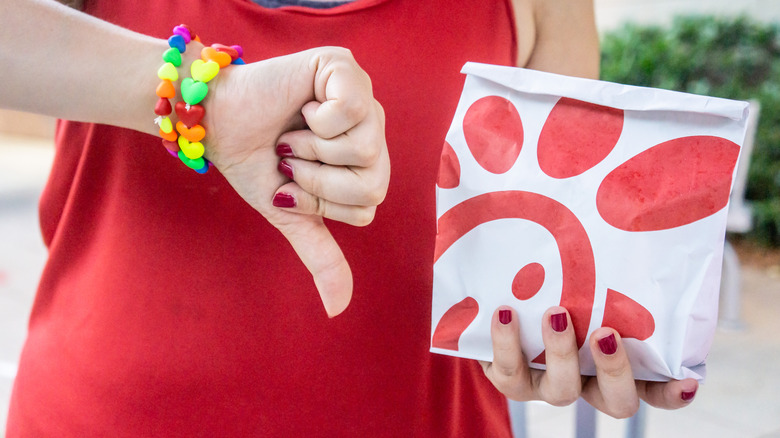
<point>566,38</point>
<point>66,64</point>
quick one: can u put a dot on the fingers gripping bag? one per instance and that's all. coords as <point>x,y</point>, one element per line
<point>609,200</point>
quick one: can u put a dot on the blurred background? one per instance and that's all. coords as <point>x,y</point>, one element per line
<point>724,48</point>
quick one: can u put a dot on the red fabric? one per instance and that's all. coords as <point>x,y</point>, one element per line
<point>169,307</point>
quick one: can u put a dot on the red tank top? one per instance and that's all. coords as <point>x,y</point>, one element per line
<point>168,307</point>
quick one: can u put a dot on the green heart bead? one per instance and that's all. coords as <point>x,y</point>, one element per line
<point>173,56</point>
<point>196,164</point>
<point>193,91</point>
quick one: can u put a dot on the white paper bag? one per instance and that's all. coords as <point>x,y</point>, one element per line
<point>609,200</point>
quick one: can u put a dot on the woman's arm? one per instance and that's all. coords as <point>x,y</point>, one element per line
<point>565,38</point>
<point>64,63</point>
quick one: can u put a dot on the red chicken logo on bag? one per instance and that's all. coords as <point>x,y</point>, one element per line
<point>667,185</point>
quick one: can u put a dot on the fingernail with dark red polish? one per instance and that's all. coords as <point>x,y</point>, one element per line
<point>559,322</point>
<point>286,169</point>
<point>688,396</point>
<point>608,345</point>
<point>284,150</point>
<point>505,316</point>
<point>284,200</point>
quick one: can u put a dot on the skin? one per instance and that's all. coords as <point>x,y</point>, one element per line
<point>341,169</point>
<point>340,161</point>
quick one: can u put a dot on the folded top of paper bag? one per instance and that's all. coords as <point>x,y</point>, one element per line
<point>620,96</point>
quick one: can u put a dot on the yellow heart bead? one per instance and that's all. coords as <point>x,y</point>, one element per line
<point>168,71</point>
<point>166,125</point>
<point>192,150</point>
<point>204,71</point>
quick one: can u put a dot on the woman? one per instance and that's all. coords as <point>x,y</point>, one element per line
<point>170,307</point>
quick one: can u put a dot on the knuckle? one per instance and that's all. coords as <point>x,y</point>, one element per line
<point>564,398</point>
<point>624,410</point>
<point>320,207</point>
<point>504,363</point>
<point>380,111</point>
<point>378,188</point>
<point>315,183</point>
<point>512,386</point>
<point>315,148</point>
<point>364,217</point>
<point>354,110</point>
<point>335,54</point>
<point>372,189</point>
<point>376,196</point>
<point>516,392</point>
<point>562,355</point>
<point>613,372</point>
<point>341,51</point>
<point>506,371</point>
<point>367,154</point>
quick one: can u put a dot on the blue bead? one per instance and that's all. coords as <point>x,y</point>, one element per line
<point>177,42</point>
<point>239,61</point>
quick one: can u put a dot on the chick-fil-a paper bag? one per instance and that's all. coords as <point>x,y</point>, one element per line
<point>609,200</point>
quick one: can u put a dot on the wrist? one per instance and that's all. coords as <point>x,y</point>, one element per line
<point>180,111</point>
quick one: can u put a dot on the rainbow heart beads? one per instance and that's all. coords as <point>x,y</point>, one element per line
<point>184,140</point>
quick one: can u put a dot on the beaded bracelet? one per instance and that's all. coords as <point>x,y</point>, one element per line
<point>185,141</point>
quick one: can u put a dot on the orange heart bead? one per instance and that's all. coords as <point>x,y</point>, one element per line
<point>166,89</point>
<point>212,54</point>
<point>194,134</point>
<point>170,136</point>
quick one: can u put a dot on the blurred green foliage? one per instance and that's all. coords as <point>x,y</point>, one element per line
<point>736,58</point>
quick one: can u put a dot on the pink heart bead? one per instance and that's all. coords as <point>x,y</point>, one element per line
<point>184,31</point>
